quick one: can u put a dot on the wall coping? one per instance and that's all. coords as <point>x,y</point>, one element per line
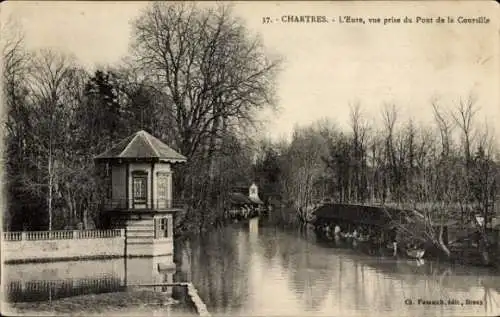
<point>200,306</point>
<point>9,236</point>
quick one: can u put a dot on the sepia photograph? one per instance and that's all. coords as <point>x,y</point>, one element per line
<point>250,158</point>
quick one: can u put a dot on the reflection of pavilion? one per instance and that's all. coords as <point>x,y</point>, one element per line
<point>152,270</point>
<point>46,281</point>
<point>43,290</point>
<point>54,280</point>
<point>216,264</point>
<point>145,270</point>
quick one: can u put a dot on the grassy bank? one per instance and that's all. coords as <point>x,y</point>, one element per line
<point>133,303</point>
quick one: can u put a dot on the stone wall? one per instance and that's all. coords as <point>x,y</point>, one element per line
<point>64,249</point>
<point>43,246</point>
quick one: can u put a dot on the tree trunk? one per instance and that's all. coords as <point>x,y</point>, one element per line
<point>85,218</point>
<point>49,199</point>
<point>484,247</point>
<point>443,245</point>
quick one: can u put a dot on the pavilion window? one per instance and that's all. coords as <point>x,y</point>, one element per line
<point>162,181</point>
<point>162,228</point>
<point>139,187</point>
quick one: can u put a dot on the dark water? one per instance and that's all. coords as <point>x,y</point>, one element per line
<point>251,270</point>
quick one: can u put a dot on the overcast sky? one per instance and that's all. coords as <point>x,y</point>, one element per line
<point>327,66</point>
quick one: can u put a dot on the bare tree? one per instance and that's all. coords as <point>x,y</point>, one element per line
<point>408,148</point>
<point>484,188</point>
<point>14,55</point>
<point>50,74</point>
<point>212,72</point>
<point>359,129</point>
<point>13,95</point>
<point>303,184</point>
<point>445,127</point>
<point>464,117</point>
<point>391,172</point>
<point>207,63</point>
<point>14,67</point>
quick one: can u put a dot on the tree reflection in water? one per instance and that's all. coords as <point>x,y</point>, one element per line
<point>270,248</point>
<point>309,273</point>
<point>217,264</point>
<point>271,271</point>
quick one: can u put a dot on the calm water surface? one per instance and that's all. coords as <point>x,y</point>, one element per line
<point>266,271</point>
<point>251,270</point>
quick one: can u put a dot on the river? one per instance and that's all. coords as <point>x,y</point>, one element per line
<point>247,269</point>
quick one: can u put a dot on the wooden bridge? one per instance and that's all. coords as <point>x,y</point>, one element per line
<point>378,216</point>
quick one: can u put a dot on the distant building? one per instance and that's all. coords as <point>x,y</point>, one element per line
<point>253,194</point>
<point>242,205</point>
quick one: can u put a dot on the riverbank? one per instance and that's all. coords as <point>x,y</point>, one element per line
<point>467,256</point>
<point>133,303</point>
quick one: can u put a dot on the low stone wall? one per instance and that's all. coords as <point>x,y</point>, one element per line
<point>200,306</point>
<point>41,247</point>
<point>188,295</point>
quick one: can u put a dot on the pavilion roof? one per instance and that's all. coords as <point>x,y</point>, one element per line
<point>142,145</point>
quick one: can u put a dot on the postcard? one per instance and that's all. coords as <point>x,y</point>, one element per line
<point>274,158</point>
